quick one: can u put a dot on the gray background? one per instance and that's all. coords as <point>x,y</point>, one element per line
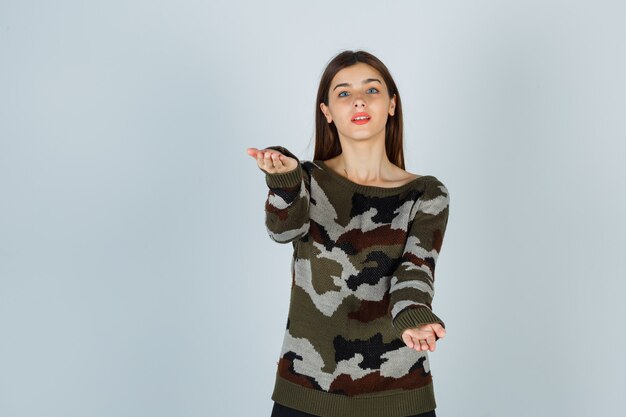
<point>136,275</point>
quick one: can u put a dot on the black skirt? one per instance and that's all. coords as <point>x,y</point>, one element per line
<point>280,410</point>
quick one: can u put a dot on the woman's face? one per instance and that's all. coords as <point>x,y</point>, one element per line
<point>359,90</point>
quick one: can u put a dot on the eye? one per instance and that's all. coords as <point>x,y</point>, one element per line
<point>373,88</point>
<point>340,94</point>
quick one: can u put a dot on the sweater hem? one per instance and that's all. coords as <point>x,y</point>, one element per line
<point>414,317</point>
<point>287,179</point>
<point>395,403</point>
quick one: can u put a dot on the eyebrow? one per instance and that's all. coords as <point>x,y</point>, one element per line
<point>365,81</point>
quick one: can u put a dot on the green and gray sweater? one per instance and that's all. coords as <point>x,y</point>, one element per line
<point>363,271</point>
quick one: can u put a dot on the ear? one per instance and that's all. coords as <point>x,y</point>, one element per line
<point>324,109</point>
<point>392,105</point>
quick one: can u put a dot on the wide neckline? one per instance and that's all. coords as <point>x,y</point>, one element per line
<point>368,188</point>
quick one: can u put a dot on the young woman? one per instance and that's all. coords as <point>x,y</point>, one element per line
<point>366,235</point>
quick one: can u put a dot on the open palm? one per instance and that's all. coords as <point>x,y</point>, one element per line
<point>423,337</point>
<point>272,161</point>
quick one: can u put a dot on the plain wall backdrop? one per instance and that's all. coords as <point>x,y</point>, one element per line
<point>136,274</point>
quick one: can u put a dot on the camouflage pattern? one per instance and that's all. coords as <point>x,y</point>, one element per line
<point>363,271</point>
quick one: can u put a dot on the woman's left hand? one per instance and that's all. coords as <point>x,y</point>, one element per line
<point>423,337</point>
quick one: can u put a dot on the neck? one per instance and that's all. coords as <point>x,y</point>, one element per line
<point>364,164</point>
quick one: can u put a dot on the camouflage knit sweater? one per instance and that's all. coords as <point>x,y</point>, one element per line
<point>363,270</point>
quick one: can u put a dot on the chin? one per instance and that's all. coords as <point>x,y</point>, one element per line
<point>365,134</point>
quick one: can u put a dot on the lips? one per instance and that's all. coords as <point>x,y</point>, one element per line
<point>360,118</point>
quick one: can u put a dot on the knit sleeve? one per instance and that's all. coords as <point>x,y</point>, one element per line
<point>412,283</point>
<point>287,204</point>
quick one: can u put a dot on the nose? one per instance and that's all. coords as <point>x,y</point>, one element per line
<point>359,102</point>
<point>359,99</point>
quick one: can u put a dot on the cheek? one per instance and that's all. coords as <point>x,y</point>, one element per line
<point>339,110</point>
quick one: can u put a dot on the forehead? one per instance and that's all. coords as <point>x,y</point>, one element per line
<point>356,73</point>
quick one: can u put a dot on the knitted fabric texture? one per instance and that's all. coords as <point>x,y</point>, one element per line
<point>363,271</point>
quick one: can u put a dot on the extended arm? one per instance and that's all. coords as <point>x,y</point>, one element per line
<point>287,204</point>
<point>412,283</point>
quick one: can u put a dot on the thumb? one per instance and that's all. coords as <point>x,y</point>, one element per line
<point>440,331</point>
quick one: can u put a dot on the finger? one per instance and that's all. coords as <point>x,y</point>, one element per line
<point>417,345</point>
<point>414,343</point>
<point>407,340</point>
<point>417,334</point>
<point>269,160</point>
<point>423,344</point>
<point>261,160</point>
<point>440,331</point>
<point>276,160</point>
<point>431,343</point>
<point>266,162</point>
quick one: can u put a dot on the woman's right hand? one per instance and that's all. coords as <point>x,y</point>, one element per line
<point>272,161</point>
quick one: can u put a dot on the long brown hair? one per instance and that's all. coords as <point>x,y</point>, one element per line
<point>327,143</point>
